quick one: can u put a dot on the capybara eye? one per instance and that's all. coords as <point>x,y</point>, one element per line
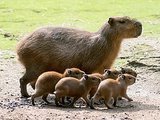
<point>115,73</point>
<point>122,21</point>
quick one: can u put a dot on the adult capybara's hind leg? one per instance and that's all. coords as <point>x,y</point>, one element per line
<point>27,78</point>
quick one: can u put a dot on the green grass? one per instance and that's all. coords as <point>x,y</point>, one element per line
<point>19,17</point>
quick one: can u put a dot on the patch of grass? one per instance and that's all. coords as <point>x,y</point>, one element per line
<point>5,43</point>
<point>119,63</point>
<point>22,16</point>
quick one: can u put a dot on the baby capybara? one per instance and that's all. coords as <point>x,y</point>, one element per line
<point>108,73</point>
<point>58,48</point>
<point>46,82</point>
<point>111,88</point>
<point>128,71</point>
<point>76,88</point>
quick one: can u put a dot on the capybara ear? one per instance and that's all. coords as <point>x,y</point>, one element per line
<point>69,71</point>
<point>107,71</point>
<point>122,70</point>
<point>123,76</point>
<point>85,76</point>
<point>119,75</point>
<point>111,21</point>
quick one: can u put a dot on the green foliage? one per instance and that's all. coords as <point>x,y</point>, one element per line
<point>19,17</point>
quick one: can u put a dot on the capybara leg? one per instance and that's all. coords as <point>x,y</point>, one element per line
<point>92,103</point>
<point>37,94</point>
<point>115,102</point>
<point>27,78</point>
<point>44,97</point>
<point>74,100</point>
<point>96,96</point>
<point>128,98</point>
<point>68,99</point>
<point>58,96</point>
<point>119,98</point>
<point>106,102</point>
<point>92,92</point>
<point>101,101</point>
<point>57,100</point>
<point>23,87</point>
<point>62,101</point>
<point>87,101</point>
<point>32,99</point>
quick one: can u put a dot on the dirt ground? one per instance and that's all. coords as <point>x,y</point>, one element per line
<point>141,54</point>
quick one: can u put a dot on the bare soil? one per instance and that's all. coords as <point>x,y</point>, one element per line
<point>141,54</point>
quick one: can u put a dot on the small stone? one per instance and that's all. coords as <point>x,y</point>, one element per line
<point>7,34</point>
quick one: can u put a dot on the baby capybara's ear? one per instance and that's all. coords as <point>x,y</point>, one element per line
<point>122,70</point>
<point>85,76</point>
<point>122,76</point>
<point>111,21</point>
<point>69,71</point>
<point>107,71</point>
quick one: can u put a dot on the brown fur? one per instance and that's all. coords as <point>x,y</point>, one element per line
<point>113,88</point>
<point>108,73</point>
<point>128,71</point>
<point>57,48</point>
<point>76,88</point>
<point>46,82</point>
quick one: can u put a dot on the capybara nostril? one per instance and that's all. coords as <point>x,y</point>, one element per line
<point>99,80</point>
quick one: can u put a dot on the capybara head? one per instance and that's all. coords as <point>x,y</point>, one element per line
<point>111,73</point>
<point>91,79</point>
<point>127,78</point>
<point>125,27</point>
<point>74,72</point>
<point>128,71</point>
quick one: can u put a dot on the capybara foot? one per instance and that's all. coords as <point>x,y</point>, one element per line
<point>92,107</point>
<point>25,96</point>
<point>130,99</point>
<point>120,98</point>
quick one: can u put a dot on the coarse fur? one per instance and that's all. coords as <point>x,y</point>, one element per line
<point>111,88</point>
<point>58,48</point>
<point>76,88</point>
<point>46,82</point>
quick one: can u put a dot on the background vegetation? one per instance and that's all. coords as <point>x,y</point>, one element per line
<point>19,17</point>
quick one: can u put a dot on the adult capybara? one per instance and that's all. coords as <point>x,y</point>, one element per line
<point>111,88</point>
<point>76,88</point>
<point>58,48</point>
<point>46,82</point>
